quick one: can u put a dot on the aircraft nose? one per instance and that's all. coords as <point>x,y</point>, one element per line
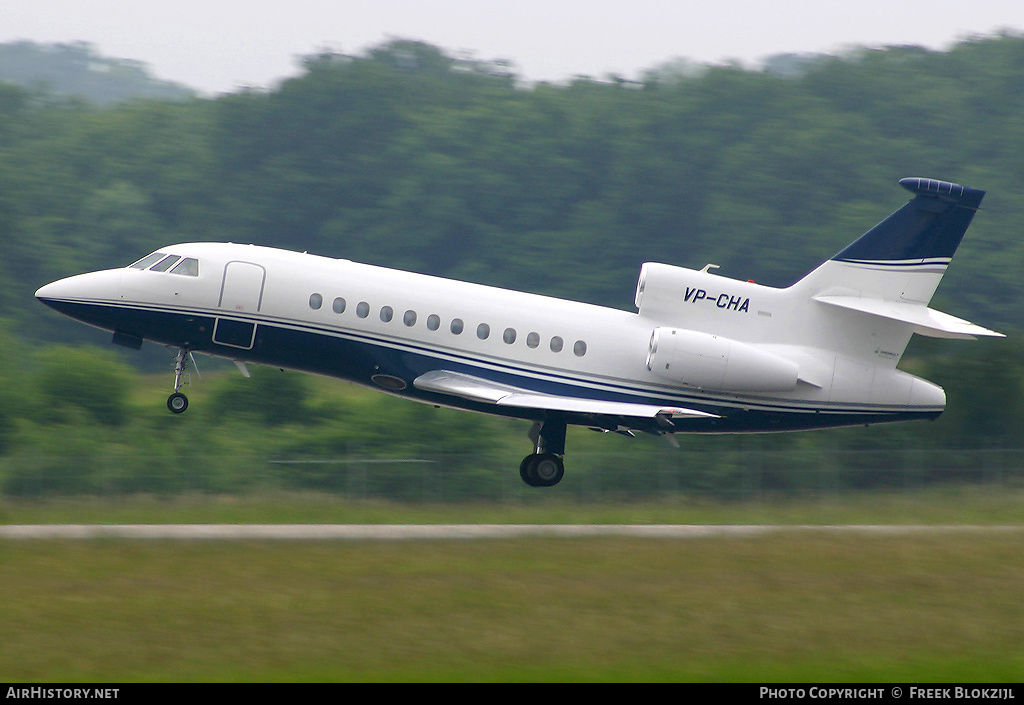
<point>49,291</point>
<point>94,286</point>
<point>54,291</point>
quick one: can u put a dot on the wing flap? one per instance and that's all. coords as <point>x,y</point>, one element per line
<point>478,389</point>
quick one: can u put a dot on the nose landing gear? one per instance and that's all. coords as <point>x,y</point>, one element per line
<point>178,402</point>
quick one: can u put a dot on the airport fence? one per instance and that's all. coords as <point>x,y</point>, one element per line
<point>741,475</point>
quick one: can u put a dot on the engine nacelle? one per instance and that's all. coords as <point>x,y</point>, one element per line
<point>707,361</point>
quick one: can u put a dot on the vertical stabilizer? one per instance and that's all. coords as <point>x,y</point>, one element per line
<point>892,271</point>
<point>904,257</point>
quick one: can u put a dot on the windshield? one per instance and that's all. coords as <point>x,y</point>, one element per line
<point>147,260</point>
<point>161,262</point>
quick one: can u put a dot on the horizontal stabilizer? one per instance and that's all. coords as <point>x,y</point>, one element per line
<point>926,321</point>
<point>484,390</point>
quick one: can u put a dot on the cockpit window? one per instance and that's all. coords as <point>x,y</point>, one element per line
<point>161,262</point>
<point>165,264</point>
<point>148,260</point>
<point>188,267</point>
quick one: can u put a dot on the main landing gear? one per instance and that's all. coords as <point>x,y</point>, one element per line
<point>178,402</point>
<point>544,468</point>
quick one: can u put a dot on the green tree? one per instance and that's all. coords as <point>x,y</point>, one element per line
<point>86,379</point>
<point>984,384</point>
<point>269,396</point>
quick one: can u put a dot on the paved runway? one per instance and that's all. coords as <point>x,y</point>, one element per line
<point>365,532</point>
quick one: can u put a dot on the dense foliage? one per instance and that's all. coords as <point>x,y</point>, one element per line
<point>78,69</point>
<point>411,158</point>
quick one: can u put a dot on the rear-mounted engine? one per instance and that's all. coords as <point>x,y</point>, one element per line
<point>713,362</point>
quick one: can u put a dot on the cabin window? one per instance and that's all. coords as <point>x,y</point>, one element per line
<point>362,309</point>
<point>509,336</point>
<point>148,260</point>
<point>433,321</point>
<point>533,340</point>
<point>556,344</point>
<point>316,301</point>
<point>386,314</point>
<point>338,305</point>
<point>457,326</point>
<point>579,349</point>
<point>409,318</point>
<point>483,331</point>
<point>165,264</point>
<point>188,267</point>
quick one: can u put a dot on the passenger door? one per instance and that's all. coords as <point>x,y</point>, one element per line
<point>241,293</point>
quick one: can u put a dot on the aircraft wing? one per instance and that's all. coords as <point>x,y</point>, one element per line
<point>483,390</point>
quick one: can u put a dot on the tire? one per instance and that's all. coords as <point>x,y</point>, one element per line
<point>547,469</point>
<point>524,471</point>
<point>544,470</point>
<point>177,403</point>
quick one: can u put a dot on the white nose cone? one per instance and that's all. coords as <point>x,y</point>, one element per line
<point>52,290</point>
<point>94,286</point>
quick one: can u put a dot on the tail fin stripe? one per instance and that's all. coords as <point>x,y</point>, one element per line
<point>930,262</point>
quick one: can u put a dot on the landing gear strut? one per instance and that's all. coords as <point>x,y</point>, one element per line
<point>178,402</point>
<point>544,468</point>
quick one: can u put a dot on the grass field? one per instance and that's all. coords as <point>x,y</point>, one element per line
<point>942,505</point>
<point>799,606</point>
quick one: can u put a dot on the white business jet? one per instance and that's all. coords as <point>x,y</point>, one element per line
<point>702,354</point>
